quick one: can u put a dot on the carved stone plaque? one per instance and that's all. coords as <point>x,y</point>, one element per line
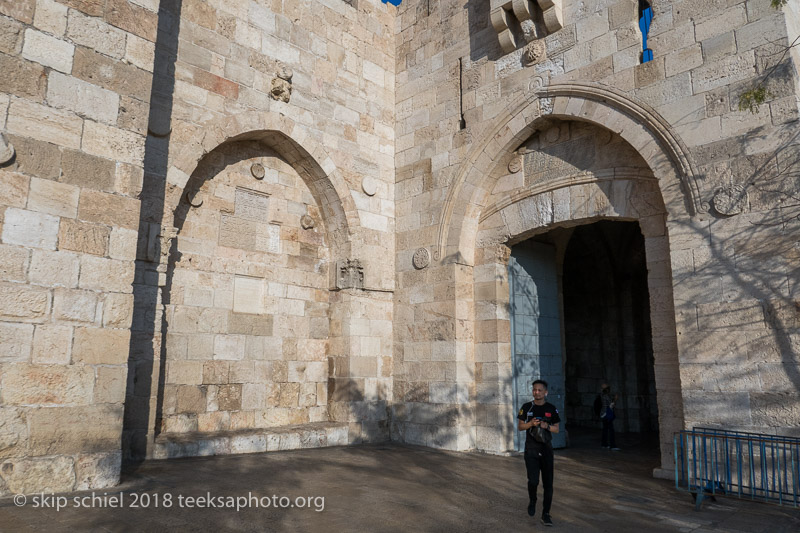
<point>559,160</point>
<point>730,201</point>
<point>421,259</point>
<point>515,165</point>
<point>349,274</point>
<point>268,238</point>
<point>237,233</point>
<point>251,205</point>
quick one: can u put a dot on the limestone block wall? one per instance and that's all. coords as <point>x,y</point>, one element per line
<point>464,106</point>
<point>73,104</point>
<point>312,84</point>
<point>248,311</point>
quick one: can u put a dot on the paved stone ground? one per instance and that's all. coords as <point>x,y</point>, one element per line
<point>404,488</point>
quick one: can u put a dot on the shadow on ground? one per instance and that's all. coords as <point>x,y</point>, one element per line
<point>400,488</point>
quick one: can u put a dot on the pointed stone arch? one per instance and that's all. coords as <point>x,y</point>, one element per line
<point>291,140</point>
<point>635,122</point>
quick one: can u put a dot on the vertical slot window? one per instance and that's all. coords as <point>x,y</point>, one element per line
<point>645,18</point>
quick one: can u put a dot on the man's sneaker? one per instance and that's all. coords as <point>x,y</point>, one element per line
<point>546,520</point>
<point>532,509</point>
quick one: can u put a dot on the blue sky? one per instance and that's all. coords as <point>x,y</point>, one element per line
<point>393,2</point>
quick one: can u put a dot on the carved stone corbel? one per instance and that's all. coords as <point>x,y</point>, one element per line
<point>507,14</point>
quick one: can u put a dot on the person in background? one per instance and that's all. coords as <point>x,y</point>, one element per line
<point>607,415</point>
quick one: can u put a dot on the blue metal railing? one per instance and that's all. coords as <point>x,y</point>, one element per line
<point>712,461</point>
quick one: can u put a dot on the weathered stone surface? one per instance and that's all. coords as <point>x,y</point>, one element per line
<point>93,8</point>
<point>104,346</point>
<point>48,51</point>
<point>23,78</point>
<point>97,471</point>
<point>53,198</point>
<point>52,345</point>
<point>94,33</point>
<point>45,123</point>
<point>54,269</point>
<point>106,274</point>
<point>73,430</point>
<point>13,263</point>
<point>132,18</point>
<point>15,342</point>
<point>13,432</point>
<point>75,305</point>
<point>40,159</point>
<point>51,17</point>
<point>112,143</point>
<point>110,384</point>
<point>23,303</point>
<point>25,384</point>
<point>83,98</point>
<point>122,78</point>
<point>83,237</point>
<point>21,10</point>
<point>26,476</point>
<point>13,188</point>
<point>109,209</point>
<point>117,310</point>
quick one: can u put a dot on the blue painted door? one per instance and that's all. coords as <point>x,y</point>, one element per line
<point>536,328</point>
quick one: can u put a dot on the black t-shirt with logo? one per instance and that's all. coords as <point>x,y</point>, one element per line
<point>546,412</point>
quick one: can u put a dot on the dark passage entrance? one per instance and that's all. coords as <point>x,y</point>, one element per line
<point>607,336</point>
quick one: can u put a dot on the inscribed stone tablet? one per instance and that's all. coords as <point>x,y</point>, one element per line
<point>237,233</point>
<point>251,205</point>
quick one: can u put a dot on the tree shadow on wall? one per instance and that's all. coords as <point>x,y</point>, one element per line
<point>743,287</point>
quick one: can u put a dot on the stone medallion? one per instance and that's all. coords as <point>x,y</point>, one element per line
<point>515,165</point>
<point>730,200</point>
<point>534,52</point>
<point>307,222</point>
<point>421,259</point>
<point>369,186</point>
<point>257,170</point>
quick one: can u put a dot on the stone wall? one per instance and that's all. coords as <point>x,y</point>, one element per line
<point>248,310</point>
<point>468,99</point>
<point>110,107</point>
<point>423,141</point>
<point>74,100</point>
<point>312,84</point>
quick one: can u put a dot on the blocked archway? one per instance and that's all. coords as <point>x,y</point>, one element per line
<point>308,224</point>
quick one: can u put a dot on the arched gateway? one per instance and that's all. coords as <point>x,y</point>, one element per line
<point>568,156</point>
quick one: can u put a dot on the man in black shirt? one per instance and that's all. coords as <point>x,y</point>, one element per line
<point>539,419</point>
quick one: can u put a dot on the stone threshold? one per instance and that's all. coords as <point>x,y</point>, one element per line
<point>195,444</point>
